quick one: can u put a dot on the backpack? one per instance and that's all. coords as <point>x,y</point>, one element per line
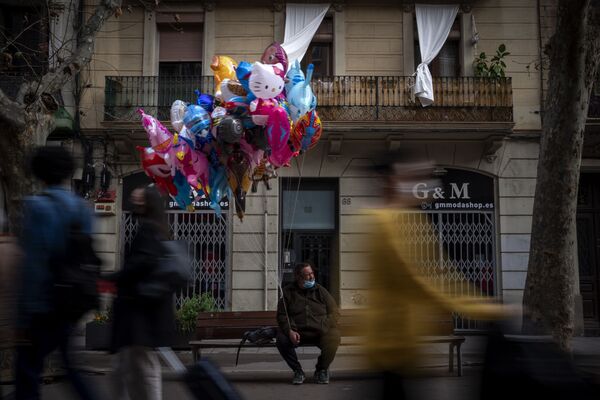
<point>260,337</point>
<point>75,270</point>
<point>172,272</point>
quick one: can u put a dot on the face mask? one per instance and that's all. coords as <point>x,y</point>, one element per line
<point>309,284</point>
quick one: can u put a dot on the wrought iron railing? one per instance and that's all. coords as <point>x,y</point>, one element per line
<point>340,98</point>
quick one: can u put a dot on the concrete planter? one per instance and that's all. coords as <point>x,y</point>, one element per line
<point>97,336</point>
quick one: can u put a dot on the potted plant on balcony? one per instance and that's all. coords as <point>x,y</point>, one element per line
<point>493,68</point>
<point>187,315</point>
<point>98,331</point>
<point>493,86</point>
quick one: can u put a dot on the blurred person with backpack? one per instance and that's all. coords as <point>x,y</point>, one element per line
<point>56,243</point>
<point>142,321</point>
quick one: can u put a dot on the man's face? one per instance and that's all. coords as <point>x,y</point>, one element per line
<point>306,274</point>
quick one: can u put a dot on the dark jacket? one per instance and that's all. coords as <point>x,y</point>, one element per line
<point>138,321</point>
<point>46,220</point>
<point>312,310</point>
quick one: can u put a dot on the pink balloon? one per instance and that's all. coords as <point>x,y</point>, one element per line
<point>255,156</point>
<point>282,156</point>
<point>261,109</point>
<point>192,164</point>
<point>278,133</point>
<point>161,140</point>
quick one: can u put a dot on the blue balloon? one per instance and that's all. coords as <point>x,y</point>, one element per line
<point>219,187</point>
<point>205,101</point>
<point>196,119</point>
<point>182,198</point>
<point>243,71</point>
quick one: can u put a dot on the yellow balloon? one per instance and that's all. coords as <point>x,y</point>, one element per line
<point>223,68</point>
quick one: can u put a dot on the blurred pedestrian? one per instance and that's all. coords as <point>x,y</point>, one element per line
<point>307,314</point>
<point>142,324</point>
<point>48,217</point>
<point>402,299</point>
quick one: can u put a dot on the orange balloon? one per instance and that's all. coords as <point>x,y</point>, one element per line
<point>223,68</point>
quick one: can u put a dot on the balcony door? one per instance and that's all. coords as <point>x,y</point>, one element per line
<point>588,244</point>
<point>180,64</point>
<point>310,229</point>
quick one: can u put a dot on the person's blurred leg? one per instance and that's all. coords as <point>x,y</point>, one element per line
<point>144,379</point>
<point>393,386</point>
<point>44,337</point>
<point>82,388</point>
<point>28,367</point>
<point>118,377</point>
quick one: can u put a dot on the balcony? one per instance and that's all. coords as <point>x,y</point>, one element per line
<point>354,99</point>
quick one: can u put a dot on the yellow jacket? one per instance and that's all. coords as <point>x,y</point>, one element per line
<point>402,302</point>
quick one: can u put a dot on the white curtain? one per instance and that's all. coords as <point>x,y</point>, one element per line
<point>433,25</point>
<point>301,24</point>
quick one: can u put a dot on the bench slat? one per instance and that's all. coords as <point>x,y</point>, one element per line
<point>237,315</point>
<point>233,322</point>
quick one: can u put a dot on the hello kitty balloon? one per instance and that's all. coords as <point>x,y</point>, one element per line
<point>266,80</point>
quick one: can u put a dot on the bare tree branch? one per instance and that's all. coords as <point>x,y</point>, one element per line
<point>53,81</point>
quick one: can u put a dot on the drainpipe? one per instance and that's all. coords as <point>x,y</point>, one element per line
<point>266,236</point>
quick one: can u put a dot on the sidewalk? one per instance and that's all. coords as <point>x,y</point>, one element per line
<point>265,363</point>
<point>261,374</point>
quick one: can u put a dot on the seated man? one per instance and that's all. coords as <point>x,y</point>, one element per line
<point>307,314</point>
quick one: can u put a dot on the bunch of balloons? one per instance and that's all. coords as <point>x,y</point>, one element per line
<point>261,116</point>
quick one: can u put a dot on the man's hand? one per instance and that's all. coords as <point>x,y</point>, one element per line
<point>294,337</point>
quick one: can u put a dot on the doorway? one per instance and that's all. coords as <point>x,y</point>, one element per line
<point>588,250</point>
<point>309,227</point>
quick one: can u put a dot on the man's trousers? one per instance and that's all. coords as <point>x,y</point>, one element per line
<point>328,343</point>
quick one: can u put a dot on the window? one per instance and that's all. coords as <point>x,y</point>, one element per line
<point>320,51</point>
<point>170,69</point>
<point>447,62</point>
<point>180,63</point>
<point>180,49</point>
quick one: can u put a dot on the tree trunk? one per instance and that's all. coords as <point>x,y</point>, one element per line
<point>550,286</point>
<point>15,149</point>
<point>28,120</point>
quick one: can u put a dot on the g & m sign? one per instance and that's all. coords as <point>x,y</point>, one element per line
<point>456,190</point>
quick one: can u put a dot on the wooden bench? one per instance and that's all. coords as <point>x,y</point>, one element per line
<point>217,329</point>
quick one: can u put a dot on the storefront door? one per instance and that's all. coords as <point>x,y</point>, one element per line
<point>309,229</point>
<point>588,243</point>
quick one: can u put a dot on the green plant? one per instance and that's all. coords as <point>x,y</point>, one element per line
<point>493,68</point>
<point>190,307</point>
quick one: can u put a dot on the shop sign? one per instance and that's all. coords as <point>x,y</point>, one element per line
<point>456,190</point>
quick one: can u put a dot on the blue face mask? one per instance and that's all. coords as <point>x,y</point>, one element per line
<point>309,284</point>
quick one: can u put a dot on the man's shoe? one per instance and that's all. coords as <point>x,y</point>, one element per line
<point>322,376</point>
<point>298,378</point>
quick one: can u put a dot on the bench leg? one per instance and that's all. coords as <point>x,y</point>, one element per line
<point>451,357</point>
<point>196,355</point>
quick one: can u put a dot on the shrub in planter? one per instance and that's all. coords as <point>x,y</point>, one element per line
<point>190,307</point>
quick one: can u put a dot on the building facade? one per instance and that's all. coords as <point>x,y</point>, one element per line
<point>481,133</point>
